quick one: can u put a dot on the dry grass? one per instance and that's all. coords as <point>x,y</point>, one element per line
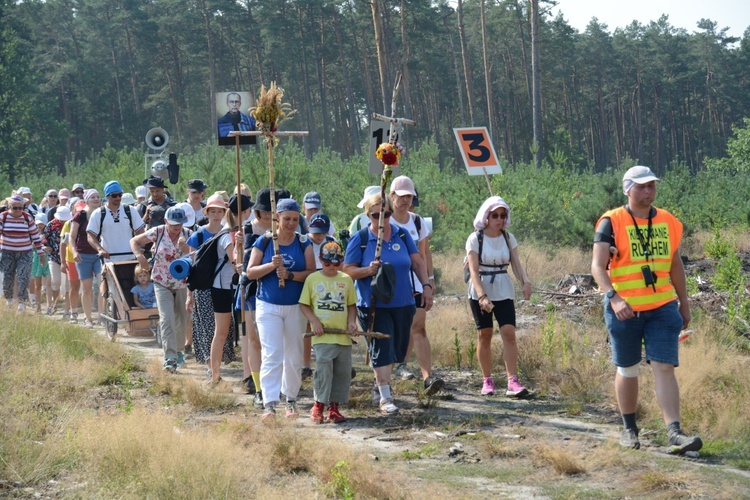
<point>653,482</point>
<point>694,245</point>
<point>560,459</point>
<point>189,389</point>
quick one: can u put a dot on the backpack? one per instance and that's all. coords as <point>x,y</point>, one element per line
<point>503,268</point>
<point>204,271</point>
<point>103,212</point>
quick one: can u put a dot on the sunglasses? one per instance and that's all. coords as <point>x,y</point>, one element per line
<point>16,208</point>
<point>78,191</point>
<point>375,215</point>
<point>51,196</point>
<point>115,195</point>
<point>329,264</point>
<point>497,215</point>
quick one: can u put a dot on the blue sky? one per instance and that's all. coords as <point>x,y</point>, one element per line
<point>734,14</point>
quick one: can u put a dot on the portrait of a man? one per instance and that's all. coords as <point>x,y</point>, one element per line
<point>232,109</point>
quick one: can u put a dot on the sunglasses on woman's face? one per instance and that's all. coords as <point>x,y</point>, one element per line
<point>329,264</point>
<point>496,215</point>
<point>16,208</point>
<point>376,215</point>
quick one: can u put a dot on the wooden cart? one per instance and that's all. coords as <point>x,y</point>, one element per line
<point>120,308</point>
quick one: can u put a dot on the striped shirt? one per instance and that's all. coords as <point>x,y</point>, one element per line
<point>18,234</point>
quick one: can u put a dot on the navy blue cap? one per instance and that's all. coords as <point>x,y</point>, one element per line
<point>319,223</point>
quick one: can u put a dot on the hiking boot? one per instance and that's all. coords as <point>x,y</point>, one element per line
<point>488,387</point>
<point>629,439</point>
<point>307,372</point>
<point>258,401</point>
<point>433,385</point>
<point>170,365</point>
<point>249,385</point>
<point>402,372</point>
<point>387,407</point>
<point>316,413</point>
<point>291,409</point>
<point>515,389</point>
<point>679,443</point>
<point>180,360</point>
<point>334,415</point>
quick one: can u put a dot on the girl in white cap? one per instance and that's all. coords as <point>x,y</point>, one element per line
<point>40,272</point>
<point>490,249</point>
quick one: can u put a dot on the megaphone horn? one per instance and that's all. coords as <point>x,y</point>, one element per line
<point>157,138</point>
<point>160,169</point>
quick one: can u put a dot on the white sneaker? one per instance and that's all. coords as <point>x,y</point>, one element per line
<point>21,308</point>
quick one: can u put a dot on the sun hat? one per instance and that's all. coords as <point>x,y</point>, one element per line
<point>245,203</point>
<point>80,205</point>
<point>215,201</point>
<point>175,216</point>
<point>369,191</point>
<point>17,198</point>
<point>72,202</point>
<point>50,192</point>
<point>312,200</point>
<point>40,218</point>
<point>490,205</point>
<point>128,199</point>
<point>287,205</point>
<point>63,214</point>
<point>189,212</point>
<point>64,193</point>
<point>197,185</point>
<point>112,187</point>
<point>24,190</point>
<point>637,175</point>
<point>319,223</point>
<point>141,192</point>
<point>263,198</point>
<point>402,186</point>
<point>154,182</point>
<point>89,193</point>
<point>332,253</point>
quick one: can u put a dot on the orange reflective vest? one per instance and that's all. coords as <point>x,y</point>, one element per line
<point>626,268</point>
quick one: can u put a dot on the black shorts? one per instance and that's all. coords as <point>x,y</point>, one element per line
<point>222,300</point>
<point>504,311</point>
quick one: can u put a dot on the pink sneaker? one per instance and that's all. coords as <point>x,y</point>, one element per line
<point>515,388</point>
<point>488,387</point>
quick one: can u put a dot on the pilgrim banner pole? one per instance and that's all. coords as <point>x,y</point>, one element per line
<point>268,114</point>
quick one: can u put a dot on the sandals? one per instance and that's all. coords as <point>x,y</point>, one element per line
<point>387,407</point>
<point>73,318</point>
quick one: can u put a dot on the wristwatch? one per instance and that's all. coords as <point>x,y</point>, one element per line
<point>611,293</point>
<point>291,276</point>
<point>425,285</point>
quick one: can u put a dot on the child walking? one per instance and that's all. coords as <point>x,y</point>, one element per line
<point>144,295</point>
<point>329,300</point>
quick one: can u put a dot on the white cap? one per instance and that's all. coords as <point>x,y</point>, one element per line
<point>141,192</point>
<point>24,190</point>
<point>369,191</point>
<point>637,175</point>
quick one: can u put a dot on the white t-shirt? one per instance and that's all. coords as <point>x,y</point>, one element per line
<point>116,233</point>
<point>411,228</point>
<point>224,278</point>
<point>494,251</point>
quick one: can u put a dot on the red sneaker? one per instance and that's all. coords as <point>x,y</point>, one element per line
<point>334,415</point>
<point>316,413</point>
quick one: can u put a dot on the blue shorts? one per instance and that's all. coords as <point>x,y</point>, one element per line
<point>396,322</point>
<point>658,330</point>
<point>89,266</point>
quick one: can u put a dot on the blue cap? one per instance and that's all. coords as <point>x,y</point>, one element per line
<point>286,205</point>
<point>312,200</point>
<point>175,216</point>
<point>319,223</point>
<point>112,187</point>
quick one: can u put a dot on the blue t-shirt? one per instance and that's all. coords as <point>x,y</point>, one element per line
<point>146,296</point>
<point>294,260</point>
<point>194,240</point>
<point>398,252</point>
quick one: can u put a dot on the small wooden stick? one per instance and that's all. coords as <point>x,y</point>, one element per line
<point>338,331</point>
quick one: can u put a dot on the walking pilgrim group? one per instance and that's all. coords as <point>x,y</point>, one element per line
<point>306,280</point>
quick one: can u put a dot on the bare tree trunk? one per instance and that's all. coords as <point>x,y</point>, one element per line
<point>117,84</point>
<point>133,77</point>
<point>465,57</point>
<point>459,91</point>
<point>536,108</point>
<point>353,123</point>
<point>313,140</point>
<point>319,53</point>
<point>172,91</point>
<point>380,46</point>
<point>487,78</point>
<point>211,66</point>
<point>405,55</point>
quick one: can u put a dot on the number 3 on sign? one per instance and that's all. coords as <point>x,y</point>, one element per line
<point>477,151</point>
